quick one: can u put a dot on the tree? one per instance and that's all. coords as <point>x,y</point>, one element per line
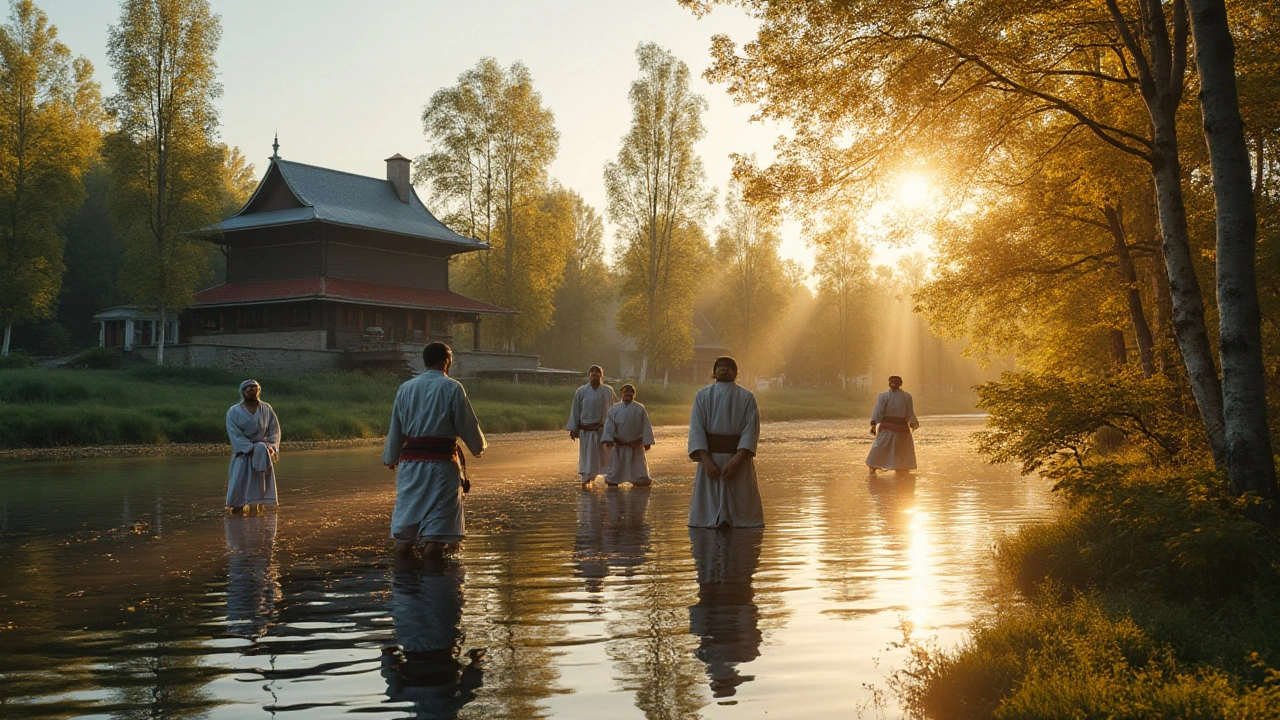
<point>492,144</point>
<point>657,198</point>
<point>166,166</point>
<point>869,85</point>
<point>842,266</point>
<point>577,327</point>
<point>754,286</point>
<point>50,125</point>
<point>1251,466</point>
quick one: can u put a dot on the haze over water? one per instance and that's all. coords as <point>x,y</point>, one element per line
<point>124,590</point>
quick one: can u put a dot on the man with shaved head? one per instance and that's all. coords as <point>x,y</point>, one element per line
<point>892,421</point>
<point>591,405</point>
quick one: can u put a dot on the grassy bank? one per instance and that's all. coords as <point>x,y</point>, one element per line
<point>1150,597</point>
<point>153,405</point>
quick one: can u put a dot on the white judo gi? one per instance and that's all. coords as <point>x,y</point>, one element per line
<point>429,493</point>
<point>586,417</point>
<point>725,409</point>
<point>893,448</point>
<point>255,445</point>
<point>627,426</point>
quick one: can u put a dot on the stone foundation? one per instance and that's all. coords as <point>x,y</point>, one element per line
<point>278,360</point>
<point>296,340</point>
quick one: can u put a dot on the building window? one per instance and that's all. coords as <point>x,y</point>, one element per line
<point>212,320</point>
<point>299,315</point>
<point>350,316</point>
<point>252,317</point>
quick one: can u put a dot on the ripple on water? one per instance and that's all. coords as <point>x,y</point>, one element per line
<point>569,603</point>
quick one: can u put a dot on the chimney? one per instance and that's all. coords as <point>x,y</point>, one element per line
<point>398,175</point>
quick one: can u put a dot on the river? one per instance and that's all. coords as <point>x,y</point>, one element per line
<point>126,592</point>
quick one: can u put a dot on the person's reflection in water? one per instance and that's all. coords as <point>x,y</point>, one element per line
<point>893,498</point>
<point>613,535</point>
<point>726,619</point>
<point>425,669</point>
<point>253,578</point>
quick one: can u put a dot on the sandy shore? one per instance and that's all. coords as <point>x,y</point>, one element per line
<point>176,449</point>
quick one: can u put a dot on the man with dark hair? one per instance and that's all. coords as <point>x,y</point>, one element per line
<point>892,421</point>
<point>591,404</point>
<point>724,428</point>
<point>431,413</point>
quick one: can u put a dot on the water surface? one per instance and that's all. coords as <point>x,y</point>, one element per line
<point>125,592</point>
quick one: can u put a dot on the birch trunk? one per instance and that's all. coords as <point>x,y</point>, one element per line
<point>1250,465</point>
<point>1184,293</point>
<point>8,332</point>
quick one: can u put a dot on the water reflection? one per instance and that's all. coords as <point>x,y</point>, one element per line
<point>612,535</point>
<point>726,619</point>
<point>426,669</point>
<point>253,577</point>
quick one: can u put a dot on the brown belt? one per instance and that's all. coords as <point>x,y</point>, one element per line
<point>590,427</point>
<point>895,424</point>
<point>629,443</point>
<point>723,443</point>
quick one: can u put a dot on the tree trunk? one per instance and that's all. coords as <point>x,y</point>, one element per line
<point>1129,276</point>
<point>160,336</point>
<point>1163,311</point>
<point>1119,353</point>
<point>1250,465</point>
<point>1184,292</point>
<point>8,332</point>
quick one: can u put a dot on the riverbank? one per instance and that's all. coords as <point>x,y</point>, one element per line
<point>147,410</point>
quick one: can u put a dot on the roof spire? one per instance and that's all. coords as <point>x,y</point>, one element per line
<point>275,147</point>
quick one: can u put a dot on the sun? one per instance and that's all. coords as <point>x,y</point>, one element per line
<point>913,191</point>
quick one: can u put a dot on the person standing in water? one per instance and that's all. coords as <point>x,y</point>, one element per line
<point>254,432</point>
<point>892,421</point>
<point>724,428</point>
<point>628,435</point>
<point>431,413</point>
<point>591,404</point>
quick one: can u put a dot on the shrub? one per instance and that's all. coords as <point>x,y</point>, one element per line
<point>97,358</point>
<point>16,359</point>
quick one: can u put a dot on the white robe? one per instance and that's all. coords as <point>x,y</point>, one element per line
<point>725,408</point>
<point>590,405</point>
<point>255,444</point>
<point>626,422</point>
<point>429,494</point>
<point>893,450</point>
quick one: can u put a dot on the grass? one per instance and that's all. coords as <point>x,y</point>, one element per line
<point>155,405</point>
<point>1150,597</point>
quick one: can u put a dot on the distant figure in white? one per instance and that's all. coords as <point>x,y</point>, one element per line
<point>724,428</point>
<point>628,435</point>
<point>254,432</point>
<point>431,413</point>
<point>591,404</point>
<point>892,421</point>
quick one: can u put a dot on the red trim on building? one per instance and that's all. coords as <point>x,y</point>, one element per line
<point>353,291</point>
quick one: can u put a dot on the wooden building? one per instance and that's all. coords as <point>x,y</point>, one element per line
<point>323,260</point>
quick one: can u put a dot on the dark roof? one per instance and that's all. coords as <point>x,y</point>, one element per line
<point>341,198</point>
<point>353,291</point>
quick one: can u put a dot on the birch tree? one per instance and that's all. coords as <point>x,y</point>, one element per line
<point>166,164</point>
<point>50,126</point>
<point>577,330</point>
<point>658,199</point>
<point>493,142</point>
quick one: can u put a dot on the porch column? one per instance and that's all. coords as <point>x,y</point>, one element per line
<point>102,333</point>
<point>128,334</point>
<point>475,333</point>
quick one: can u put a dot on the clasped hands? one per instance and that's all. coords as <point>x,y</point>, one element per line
<point>715,472</point>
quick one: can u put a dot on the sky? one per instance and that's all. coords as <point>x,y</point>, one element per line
<point>344,82</point>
